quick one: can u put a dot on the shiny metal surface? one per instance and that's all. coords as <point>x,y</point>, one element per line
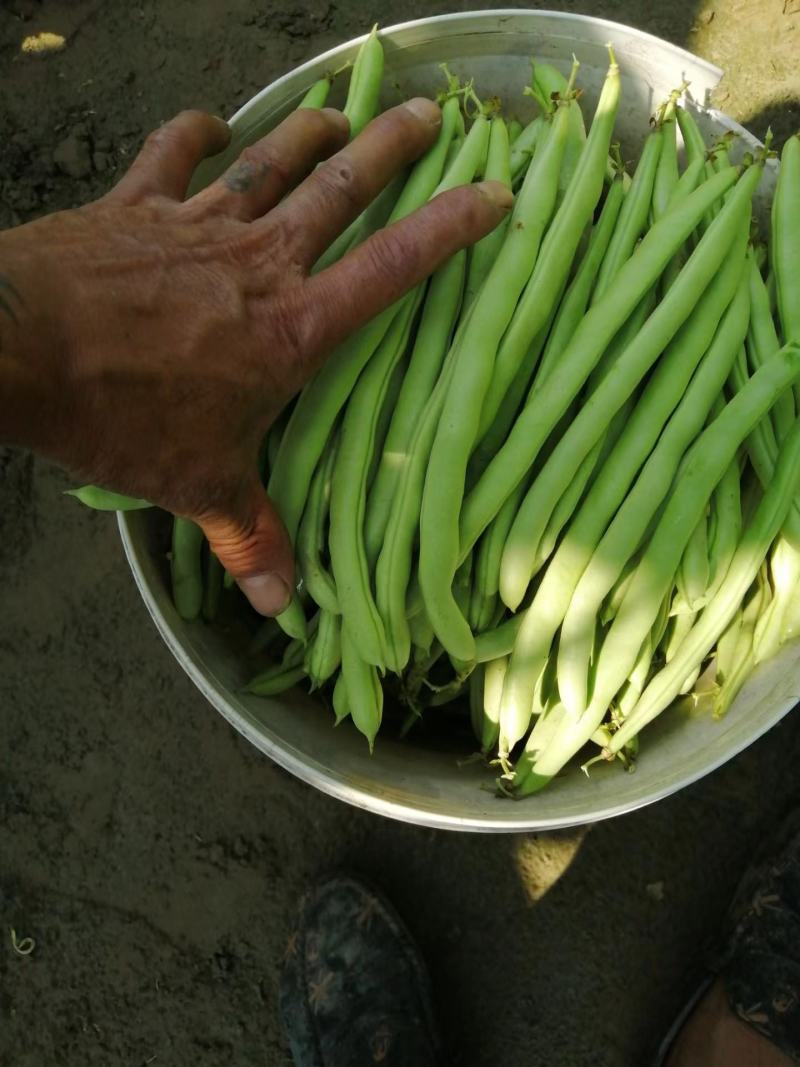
<point>409,780</point>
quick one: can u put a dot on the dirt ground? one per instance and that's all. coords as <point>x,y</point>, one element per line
<point>153,856</point>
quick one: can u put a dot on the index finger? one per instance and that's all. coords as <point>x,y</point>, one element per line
<point>329,306</point>
<point>339,189</point>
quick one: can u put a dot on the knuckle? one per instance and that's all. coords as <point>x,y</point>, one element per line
<point>162,139</point>
<point>293,327</point>
<point>392,256</point>
<point>339,180</point>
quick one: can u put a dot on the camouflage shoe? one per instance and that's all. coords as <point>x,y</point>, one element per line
<point>355,991</point>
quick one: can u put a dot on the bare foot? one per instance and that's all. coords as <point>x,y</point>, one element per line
<point>714,1036</point>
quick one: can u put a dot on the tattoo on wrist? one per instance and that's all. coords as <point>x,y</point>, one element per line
<point>10,299</point>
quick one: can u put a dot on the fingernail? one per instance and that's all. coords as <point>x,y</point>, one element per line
<point>268,593</point>
<point>224,128</point>
<point>422,108</point>
<point>498,193</point>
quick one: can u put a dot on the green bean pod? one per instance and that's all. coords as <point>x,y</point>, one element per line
<point>485,252</point>
<point>340,700</point>
<point>727,528</point>
<point>633,216</point>
<point>785,249</point>
<point>558,248</point>
<point>349,488</point>
<point>363,95</point>
<point>106,500</point>
<point>627,528</point>
<point>317,94</point>
<point>588,343</point>
<point>420,631</point>
<point>525,145</point>
<point>279,677</point>
<point>762,450</point>
<point>212,586</point>
<point>714,449</point>
<point>514,130</point>
<point>494,672</point>
<point>186,568</point>
<point>572,307</point>
<point>475,684</point>
<point>324,651</point>
<point>442,303</point>
<point>569,502</point>
<point>552,85</point>
<point>666,176</point>
<point>693,572</point>
<point>393,569</point>
<point>693,143</point>
<point>762,341</point>
<point>492,644</point>
<point>276,682</point>
<point>744,657</point>
<point>312,535</point>
<point>458,425</point>
<point>752,550</point>
<point>364,690</point>
<point>618,384</point>
<point>785,573</point>
<point>725,660</point>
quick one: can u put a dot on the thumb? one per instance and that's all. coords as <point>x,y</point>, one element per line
<point>252,544</point>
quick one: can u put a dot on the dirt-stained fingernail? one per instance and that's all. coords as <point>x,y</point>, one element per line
<point>224,128</point>
<point>427,110</point>
<point>268,593</point>
<point>338,118</point>
<point>499,194</point>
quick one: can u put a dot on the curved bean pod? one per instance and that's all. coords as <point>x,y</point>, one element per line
<point>485,252</point>
<point>458,425</point>
<point>186,568</point>
<point>439,315</point>
<point>311,536</point>
<point>363,687</point>
<point>361,105</point>
<point>324,652</point>
<point>348,491</point>
<point>106,500</point>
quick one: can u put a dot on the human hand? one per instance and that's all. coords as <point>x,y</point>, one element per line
<point>147,342</point>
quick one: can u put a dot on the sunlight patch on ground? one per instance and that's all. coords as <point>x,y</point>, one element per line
<point>42,44</point>
<point>541,859</point>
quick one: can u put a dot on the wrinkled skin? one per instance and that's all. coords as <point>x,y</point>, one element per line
<point>147,342</point>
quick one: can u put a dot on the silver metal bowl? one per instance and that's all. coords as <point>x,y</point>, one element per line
<point>421,780</point>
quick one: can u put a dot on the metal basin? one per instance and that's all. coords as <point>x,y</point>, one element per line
<point>420,780</point>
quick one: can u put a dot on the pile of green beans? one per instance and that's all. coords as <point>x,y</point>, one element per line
<point>556,487</point>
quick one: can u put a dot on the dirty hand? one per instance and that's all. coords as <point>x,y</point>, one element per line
<point>147,342</point>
